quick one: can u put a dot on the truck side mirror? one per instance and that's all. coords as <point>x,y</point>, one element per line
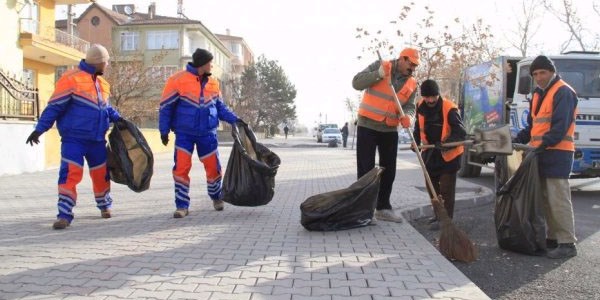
<point>524,85</point>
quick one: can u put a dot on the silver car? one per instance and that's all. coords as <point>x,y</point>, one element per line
<point>332,134</point>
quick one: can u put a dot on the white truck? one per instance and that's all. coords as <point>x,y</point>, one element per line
<point>498,92</point>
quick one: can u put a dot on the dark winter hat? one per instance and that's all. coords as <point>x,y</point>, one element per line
<point>201,57</point>
<point>429,88</point>
<point>542,62</point>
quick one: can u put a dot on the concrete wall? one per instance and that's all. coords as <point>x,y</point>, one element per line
<point>18,157</point>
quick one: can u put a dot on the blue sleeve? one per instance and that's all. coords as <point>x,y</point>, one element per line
<point>225,113</point>
<point>52,112</point>
<point>565,102</point>
<point>113,114</point>
<point>165,113</point>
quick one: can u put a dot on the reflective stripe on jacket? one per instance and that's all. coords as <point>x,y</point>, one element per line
<point>192,104</point>
<point>447,105</point>
<point>542,120</point>
<point>79,105</point>
<point>379,104</point>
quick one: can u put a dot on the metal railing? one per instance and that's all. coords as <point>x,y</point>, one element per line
<point>52,34</point>
<point>17,99</point>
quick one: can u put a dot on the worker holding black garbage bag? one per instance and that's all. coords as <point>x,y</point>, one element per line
<point>191,107</point>
<point>551,130</point>
<point>81,109</point>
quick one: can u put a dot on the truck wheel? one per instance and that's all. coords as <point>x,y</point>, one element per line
<point>466,170</point>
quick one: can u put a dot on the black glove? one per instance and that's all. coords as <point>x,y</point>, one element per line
<point>164,138</point>
<point>438,145</point>
<point>121,124</point>
<point>34,137</point>
<point>541,148</point>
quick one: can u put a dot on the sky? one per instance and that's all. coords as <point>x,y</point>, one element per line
<point>315,40</point>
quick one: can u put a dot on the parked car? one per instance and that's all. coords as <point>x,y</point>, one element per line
<point>329,134</point>
<point>320,131</point>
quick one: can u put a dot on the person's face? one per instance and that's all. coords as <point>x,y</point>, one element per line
<point>206,68</point>
<point>542,77</point>
<point>101,67</point>
<point>431,101</point>
<point>405,66</point>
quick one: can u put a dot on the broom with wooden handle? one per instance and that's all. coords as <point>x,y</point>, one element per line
<point>454,243</point>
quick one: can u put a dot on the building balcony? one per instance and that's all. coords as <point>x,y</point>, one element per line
<point>50,45</point>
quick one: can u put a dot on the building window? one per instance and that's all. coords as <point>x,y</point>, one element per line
<point>235,49</point>
<point>29,77</point>
<point>162,72</point>
<point>95,21</point>
<point>167,39</point>
<point>59,71</point>
<point>130,40</point>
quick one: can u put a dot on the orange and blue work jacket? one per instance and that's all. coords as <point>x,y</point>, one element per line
<point>191,104</point>
<point>79,105</point>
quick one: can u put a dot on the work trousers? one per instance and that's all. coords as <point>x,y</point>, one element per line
<point>73,152</point>
<point>206,147</point>
<point>558,210</point>
<point>445,185</point>
<point>369,141</point>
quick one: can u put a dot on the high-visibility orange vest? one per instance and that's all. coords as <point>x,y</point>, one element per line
<point>379,104</point>
<point>543,118</point>
<point>451,154</point>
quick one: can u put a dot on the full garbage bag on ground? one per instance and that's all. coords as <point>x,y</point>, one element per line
<point>130,160</point>
<point>519,217</point>
<point>343,209</point>
<point>250,176</point>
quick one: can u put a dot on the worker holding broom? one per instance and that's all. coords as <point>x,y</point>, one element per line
<point>379,117</point>
<point>438,121</point>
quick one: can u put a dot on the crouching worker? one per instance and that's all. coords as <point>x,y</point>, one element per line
<point>438,121</point>
<point>82,113</point>
<point>191,106</point>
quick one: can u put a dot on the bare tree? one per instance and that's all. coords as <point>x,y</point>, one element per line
<point>527,26</point>
<point>567,14</point>
<point>446,49</point>
<point>134,89</point>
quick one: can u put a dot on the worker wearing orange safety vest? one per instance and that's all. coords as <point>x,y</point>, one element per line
<point>379,117</point>
<point>438,121</point>
<point>191,107</point>
<point>81,109</point>
<point>551,129</point>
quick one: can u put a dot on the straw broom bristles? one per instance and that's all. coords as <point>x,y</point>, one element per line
<point>454,243</point>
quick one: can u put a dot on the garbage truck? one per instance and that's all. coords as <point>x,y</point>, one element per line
<point>498,92</point>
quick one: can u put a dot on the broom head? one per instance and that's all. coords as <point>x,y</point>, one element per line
<point>454,243</point>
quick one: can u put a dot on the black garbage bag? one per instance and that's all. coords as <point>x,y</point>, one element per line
<point>130,160</point>
<point>518,214</point>
<point>250,176</point>
<point>343,209</point>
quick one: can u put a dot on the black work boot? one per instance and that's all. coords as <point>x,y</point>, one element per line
<point>551,244</point>
<point>563,251</point>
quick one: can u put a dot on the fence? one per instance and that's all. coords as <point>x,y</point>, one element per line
<point>17,100</point>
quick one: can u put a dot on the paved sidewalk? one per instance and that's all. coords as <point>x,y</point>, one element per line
<point>239,253</point>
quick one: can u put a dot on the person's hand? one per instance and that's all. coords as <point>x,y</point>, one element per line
<point>121,124</point>
<point>383,71</point>
<point>541,148</point>
<point>34,137</point>
<point>405,121</point>
<point>164,138</point>
<point>438,145</point>
<point>412,148</point>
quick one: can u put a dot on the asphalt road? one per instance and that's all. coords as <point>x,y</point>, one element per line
<point>507,275</point>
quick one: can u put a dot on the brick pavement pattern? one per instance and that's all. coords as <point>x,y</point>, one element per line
<point>239,253</point>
